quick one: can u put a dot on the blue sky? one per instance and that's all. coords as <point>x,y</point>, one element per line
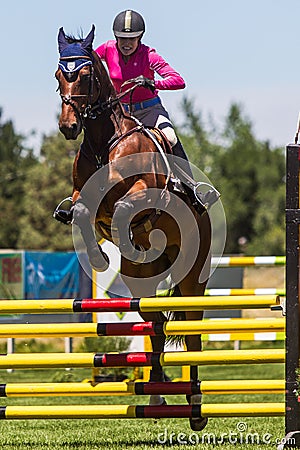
<point>227,51</point>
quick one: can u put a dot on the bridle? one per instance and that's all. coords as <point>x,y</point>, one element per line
<point>93,108</point>
<point>69,99</point>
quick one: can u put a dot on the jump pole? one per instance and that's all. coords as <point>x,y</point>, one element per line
<point>69,306</point>
<point>221,387</point>
<point>140,359</point>
<point>191,327</point>
<point>243,261</point>
<point>141,412</point>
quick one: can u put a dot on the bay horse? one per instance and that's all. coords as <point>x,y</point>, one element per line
<point>138,210</point>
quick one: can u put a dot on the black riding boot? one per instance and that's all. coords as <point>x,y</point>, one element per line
<point>178,151</point>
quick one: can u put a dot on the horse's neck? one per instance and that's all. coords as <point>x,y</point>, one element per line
<point>99,131</point>
<point>109,124</point>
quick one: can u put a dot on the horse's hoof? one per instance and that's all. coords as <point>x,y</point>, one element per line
<point>157,400</point>
<point>198,423</point>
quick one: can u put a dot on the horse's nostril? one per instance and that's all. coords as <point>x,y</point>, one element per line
<point>74,126</point>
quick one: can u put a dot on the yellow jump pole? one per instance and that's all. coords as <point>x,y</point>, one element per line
<point>243,410</point>
<point>144,328</point>
<point>30,330</point>
<point>242,261</point>
<point>138,304</point>
<point>224,326</point>
<point>139,411</point>
<point>49,306</point>
<point>215,357</point>
<point>245,291</point>
<point>242,387</point>
<point>222,387</point>
<point>140,359</point>
<point>210,303</point>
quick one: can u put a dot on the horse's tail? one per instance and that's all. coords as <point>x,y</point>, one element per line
<point>175,315</point>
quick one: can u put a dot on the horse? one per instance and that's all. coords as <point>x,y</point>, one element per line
<point>139,208</point>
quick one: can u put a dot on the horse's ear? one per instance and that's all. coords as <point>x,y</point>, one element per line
<point>62,41</point>
<point>87,44</point>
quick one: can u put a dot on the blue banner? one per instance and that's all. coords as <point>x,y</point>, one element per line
<point>51,275</point>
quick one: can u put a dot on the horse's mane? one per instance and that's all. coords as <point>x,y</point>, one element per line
<point>103,74</point>
<point>71,39</point>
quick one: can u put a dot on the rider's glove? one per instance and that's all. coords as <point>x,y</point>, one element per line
<point>145,82</point>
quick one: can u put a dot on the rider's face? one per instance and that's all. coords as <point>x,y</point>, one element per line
<point>128,46</point>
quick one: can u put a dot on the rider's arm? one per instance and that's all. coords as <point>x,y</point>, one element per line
<point>171,80</point>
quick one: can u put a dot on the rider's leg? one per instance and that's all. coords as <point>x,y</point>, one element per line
<point>185,166</point>
<point>164,124</point>
<point>157,116</point>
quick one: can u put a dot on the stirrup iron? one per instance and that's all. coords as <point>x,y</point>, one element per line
<point>206,198</point>
<point>62,215</point>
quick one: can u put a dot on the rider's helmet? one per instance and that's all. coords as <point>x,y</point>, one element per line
<point>128,24</point>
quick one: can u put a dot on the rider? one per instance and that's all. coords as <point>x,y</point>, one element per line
<point>127,58</point>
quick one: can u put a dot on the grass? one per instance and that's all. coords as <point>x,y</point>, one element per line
<point>228,433</point>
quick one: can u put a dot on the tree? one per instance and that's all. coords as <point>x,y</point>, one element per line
<point>15,160</point>
<point>198,142</point>
<point>249,175</point>
<point>47,183</point>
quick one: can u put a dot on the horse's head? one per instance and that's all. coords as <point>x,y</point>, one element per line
<point>75,75</point>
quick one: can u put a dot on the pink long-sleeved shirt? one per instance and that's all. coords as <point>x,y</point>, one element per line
<point>144,61</point>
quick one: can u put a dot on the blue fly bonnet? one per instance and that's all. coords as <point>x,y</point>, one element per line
<point>75,55</point>
<point>73,58</point>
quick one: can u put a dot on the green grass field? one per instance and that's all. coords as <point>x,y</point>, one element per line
<point>223,433</point>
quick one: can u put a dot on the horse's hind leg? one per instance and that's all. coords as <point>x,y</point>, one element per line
<point>191,286</point>
<point>136,279</point>
<point>193,343</point>
<point>158,344</point>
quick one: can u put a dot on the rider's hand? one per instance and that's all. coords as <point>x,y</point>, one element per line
<point>146,82</point>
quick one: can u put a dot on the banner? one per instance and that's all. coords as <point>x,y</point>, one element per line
<point>51,275</point>
<point>11,275</point>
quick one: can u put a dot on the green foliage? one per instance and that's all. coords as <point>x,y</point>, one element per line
<point>30,346</point>
<point>15,161</point>
<point>105,344</point>
<point>65,376</point>
<point>46,184</point>
<point>249,175</point>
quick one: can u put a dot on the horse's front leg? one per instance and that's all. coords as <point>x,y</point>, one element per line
<point>137,200</point>
<point>82,217</point>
